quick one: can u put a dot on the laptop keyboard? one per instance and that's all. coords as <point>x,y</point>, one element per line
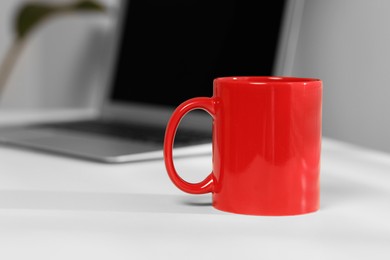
<point>133,132</point>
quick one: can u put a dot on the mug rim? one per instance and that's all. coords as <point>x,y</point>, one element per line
<point>263,80</point>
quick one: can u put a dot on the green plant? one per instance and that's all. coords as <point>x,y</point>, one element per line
<point>28,17</point>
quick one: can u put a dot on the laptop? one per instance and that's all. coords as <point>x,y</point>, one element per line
<point>165,53</point>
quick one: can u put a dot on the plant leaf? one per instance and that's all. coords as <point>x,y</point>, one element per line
<point>30,15</point>
<point>88,6</point>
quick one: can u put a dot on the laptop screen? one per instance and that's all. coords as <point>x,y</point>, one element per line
<point>172,50</point>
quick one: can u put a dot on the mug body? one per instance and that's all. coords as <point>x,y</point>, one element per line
<point>267,145</point>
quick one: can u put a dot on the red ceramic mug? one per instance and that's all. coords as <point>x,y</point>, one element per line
<point>266,145</point>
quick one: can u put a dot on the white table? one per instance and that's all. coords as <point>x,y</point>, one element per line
<point>60,208</point>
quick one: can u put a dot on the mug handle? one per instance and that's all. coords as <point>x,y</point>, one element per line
<point>204,103</point>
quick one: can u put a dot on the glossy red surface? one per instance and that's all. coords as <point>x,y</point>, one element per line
<point>266,145</point>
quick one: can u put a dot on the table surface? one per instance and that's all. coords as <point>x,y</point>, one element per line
<point>53,207</point>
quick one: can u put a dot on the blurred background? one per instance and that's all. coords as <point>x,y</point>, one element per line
<point>62,65</point>
<point>346,43</point>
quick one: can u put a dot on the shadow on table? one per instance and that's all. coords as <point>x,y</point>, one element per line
<point>114,202</point>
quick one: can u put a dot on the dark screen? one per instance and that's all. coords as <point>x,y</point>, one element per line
<point>172,50</point>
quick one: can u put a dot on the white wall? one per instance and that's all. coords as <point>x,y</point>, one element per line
<point>61,65</point>
<point>346,43</point>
